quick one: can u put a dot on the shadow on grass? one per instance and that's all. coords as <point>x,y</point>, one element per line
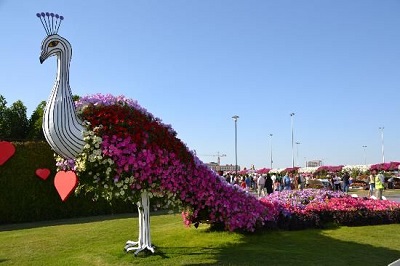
<point>305,247</point>
<point>80,220</point>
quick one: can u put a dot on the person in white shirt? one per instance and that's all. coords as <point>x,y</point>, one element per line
<point>260,185</point>
<point>336,181</point>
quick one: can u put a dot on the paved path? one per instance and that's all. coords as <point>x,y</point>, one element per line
<point>394,198</point>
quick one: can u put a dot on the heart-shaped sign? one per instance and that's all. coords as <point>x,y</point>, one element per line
<point>7,150</point>
<point>43,173</point>
<point>65,183</point>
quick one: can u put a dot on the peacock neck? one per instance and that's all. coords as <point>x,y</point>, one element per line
<point>62,78</point>
<point>61,126</point>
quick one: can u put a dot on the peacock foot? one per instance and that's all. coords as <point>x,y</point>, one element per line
<point>133,245</point>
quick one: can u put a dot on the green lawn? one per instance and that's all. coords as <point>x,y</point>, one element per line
<point>100,241</point>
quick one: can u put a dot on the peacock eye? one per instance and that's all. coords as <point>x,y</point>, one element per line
<point>53,43</point>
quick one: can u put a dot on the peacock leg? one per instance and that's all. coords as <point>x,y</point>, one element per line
<point>144,241</point>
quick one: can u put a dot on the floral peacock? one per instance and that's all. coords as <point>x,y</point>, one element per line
<point>120,150</point>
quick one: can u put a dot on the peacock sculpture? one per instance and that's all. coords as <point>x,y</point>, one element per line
<point>120,150</point>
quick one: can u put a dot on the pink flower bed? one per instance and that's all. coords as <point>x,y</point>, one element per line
<point>314,207</point>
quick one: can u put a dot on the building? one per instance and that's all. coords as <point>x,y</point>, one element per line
<point>314,163</point>
<point>224,168</point>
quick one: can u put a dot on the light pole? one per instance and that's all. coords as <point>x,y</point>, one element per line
<point>297,150</point>
<point>365,155</point>
<point>383,147</point>
<point>235,118</point>
<point>271,161</point>
<point>291,121</point>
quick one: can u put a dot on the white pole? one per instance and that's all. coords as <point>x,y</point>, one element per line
<point>383,146</point>
<point>271,161</point>
<point>291,121</point>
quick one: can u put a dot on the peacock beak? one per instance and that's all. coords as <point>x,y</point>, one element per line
<point>41,59</point>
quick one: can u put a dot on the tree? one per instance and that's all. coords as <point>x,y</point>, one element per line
<point>3,123</point>
<point>16,121</point>
<point>35,131</point>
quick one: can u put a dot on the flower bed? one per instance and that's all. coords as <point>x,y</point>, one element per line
<point>314,207</point>
<point>359,184</point>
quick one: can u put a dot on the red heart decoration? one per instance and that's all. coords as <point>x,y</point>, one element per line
<point>7,150</point>
<point>65,183</point>
<point>43,173</point>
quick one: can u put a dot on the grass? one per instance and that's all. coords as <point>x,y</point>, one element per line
<point>100,241</point>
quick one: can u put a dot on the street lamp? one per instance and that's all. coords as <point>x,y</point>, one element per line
<point>235,118</point>
<point>383,147</point>
<point>291,121</point>
<point>297,146</point>
<point>271,161</point>
<point>365,155</point>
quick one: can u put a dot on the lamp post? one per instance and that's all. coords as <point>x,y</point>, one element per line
<point>383,147</point>
<point>297,150</point>
<point>271,161</point>
<point>235,118</point>
<point>365,155</point>
<point>291,121</point>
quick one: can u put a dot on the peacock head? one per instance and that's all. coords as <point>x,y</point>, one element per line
<point>53,44</point>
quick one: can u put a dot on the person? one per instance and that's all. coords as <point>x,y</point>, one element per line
<point>379,181</point>
<point>273,177</point>
<point>346,182</point>
<point>331,180</point>
<point>260,185</point>
<point>269,184</point>
<point>300,181</point>
<point>307,180</point>
<point>371,184</point>
<point>243,183</point>
<point>277,185</point>
<point>255,178</point>
<point>286,182</point>
<point>336,181</point>
<point>248,181</point>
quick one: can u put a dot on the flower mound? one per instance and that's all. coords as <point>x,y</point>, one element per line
<point>128,150</point>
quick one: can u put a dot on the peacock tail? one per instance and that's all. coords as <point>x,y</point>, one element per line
<point>128,150</point>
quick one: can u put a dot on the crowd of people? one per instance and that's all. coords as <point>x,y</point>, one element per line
<point>263,184</point>
<point>268,183</point>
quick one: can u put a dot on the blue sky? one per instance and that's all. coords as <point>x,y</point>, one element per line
<point>195,64</point>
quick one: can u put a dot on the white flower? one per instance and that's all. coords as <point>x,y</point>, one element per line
<point>97,152</point>
<point>92,158</point>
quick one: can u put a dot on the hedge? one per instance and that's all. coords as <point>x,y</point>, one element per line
<point>24,197</point>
